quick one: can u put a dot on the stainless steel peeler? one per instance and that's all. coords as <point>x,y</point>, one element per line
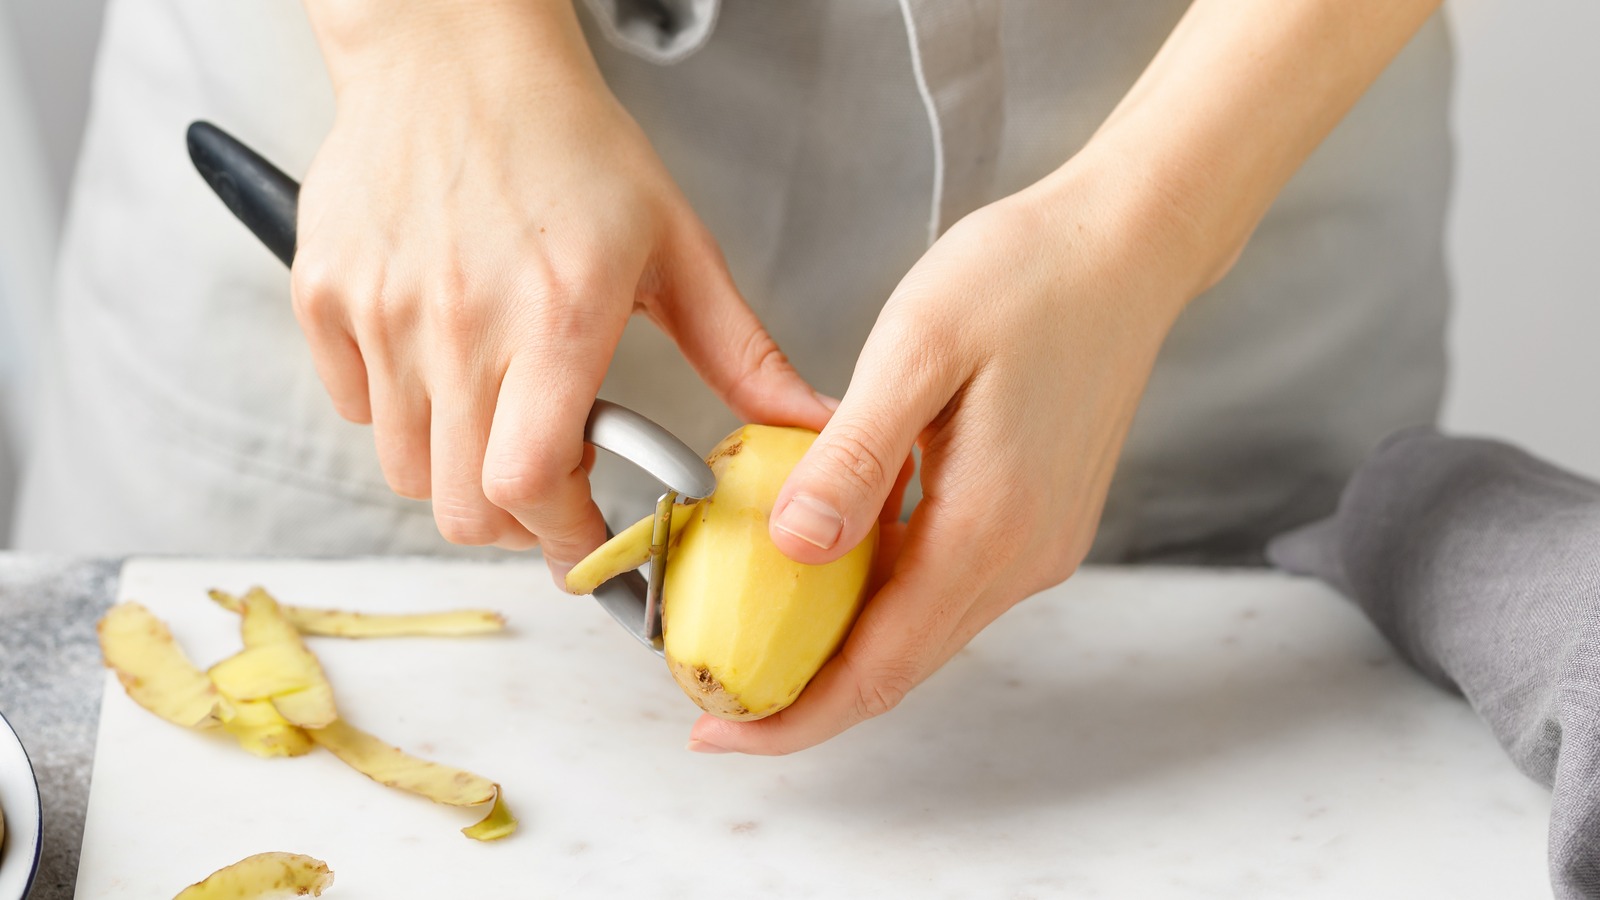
<point>265,200</point>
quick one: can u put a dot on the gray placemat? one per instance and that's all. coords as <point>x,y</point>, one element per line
<point>50,679</point>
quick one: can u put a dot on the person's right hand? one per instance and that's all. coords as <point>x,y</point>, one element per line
<point>474,233</point>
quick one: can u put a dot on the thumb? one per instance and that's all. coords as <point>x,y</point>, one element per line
<point>720,336</point>
<point>830,501</point>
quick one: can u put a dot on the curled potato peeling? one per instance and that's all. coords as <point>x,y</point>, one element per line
<point>629,550</point>
<point>258,728</point>
<point>261,673</point>
<point>497,824</point>
<point>276,665</point>
<point>339,623</point>
<point>275,700</point>
<point>263,876</point>
<point>393,767</point>
<point>153,670</point>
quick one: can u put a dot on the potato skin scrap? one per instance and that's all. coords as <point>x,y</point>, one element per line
<point>497,824</point>
<point>340,623</point>
<point>261,876</point>
<point>259,673</point>
<point>629,550</point>
<point>393,767</point>
<point>285,669</point>
<point>154,670</point>
<point>260,730</point>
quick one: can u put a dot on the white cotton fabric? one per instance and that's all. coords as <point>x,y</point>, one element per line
<point>823,142</point>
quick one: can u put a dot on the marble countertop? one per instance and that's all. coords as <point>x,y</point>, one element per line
<point>1189,733</point>
<point>50,680</point>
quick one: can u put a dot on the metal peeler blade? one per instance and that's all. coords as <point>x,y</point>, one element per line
<point>630,598</point>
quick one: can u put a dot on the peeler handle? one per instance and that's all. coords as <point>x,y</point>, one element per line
<point>266,201</point>
<point>254,190</point>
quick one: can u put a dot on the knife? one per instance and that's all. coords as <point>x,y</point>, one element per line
<point>266,201</point>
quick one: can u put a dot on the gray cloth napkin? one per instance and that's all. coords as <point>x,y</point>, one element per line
<point>1481,565</point>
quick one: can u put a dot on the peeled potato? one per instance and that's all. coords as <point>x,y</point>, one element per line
<point>339,623</point>
<point>262,876</point>
<point>154,671</point>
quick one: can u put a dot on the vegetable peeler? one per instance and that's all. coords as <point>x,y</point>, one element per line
<point>265,200</point>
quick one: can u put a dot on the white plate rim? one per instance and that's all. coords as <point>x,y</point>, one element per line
<point>19,794</point>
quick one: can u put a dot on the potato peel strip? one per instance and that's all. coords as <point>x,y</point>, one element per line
<point>392,767</point>
<point>629,550</point>
<point>260,673</point>
<point>264,628</point>
<point>259,729</point>
<point>155,672</point>
<point>263,875</point>
<point>340,623</point>
<point>275,700</point>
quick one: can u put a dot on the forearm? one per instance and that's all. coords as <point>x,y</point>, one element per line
<point>1238,97</point>
<point>382,40</point>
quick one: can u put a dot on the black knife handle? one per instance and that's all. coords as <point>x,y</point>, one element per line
<point>254,190</point>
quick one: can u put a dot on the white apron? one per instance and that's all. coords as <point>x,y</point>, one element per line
<point>822,141</point>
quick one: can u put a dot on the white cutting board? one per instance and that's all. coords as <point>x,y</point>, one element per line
<point>1135,734</point>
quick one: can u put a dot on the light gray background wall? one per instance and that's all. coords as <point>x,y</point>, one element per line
<point>1525,233</point>
<point>1524,236</point>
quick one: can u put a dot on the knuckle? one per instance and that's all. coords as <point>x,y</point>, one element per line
<point>456,307</point>
<point>460,525</point>
<point>1061,560</point>
<point>854,455</point>
<point>1059,567</point>
<point>518,486</point>
<point>881,684</point>
<point>882,692</point>
<point>566,315</point>
<point>924,348</point>
<point>314,291</point>
<point>378,303</point>
<point>760,359</point>
<point>409,486</point>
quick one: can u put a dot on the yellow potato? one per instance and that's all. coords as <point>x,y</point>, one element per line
<point>338,623</point>
<point>393,767</point>
<point>154,671</point>
<point>744,627</point>
<point>261,876</point>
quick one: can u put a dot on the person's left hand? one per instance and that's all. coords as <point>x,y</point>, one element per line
<point>1014,354</point>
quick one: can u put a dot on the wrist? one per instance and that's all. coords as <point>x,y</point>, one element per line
<point>438,41</point>
<point>1153,226</point>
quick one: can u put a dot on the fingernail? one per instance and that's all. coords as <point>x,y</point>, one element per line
<point>831,403</point>
<point>698,746</point>
<point>811,520</point>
